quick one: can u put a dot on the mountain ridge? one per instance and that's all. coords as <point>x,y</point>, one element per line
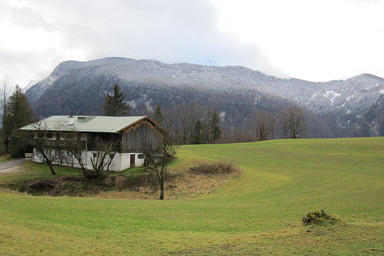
<point>345,101</point>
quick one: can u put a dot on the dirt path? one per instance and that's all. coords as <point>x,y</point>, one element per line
<point>11,166</point>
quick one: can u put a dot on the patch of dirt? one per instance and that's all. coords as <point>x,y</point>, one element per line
<point>181,182</point>
<point>187,181</point>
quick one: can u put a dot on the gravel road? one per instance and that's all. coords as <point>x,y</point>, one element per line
<point>6,166</point>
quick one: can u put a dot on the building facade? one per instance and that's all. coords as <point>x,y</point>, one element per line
<point>127,139</point>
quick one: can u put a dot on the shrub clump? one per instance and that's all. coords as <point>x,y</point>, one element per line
<point>58,186</point>
<point>131,182</point>
<point>320,218</point>
<point>214,168</point>
<point>90,185</point>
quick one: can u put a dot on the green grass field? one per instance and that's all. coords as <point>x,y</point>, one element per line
<point>256,213</point>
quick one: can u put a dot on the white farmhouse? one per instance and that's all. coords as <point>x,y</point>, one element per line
<point>134,136</point>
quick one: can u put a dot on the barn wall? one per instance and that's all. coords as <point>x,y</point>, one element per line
<point>141,138</point>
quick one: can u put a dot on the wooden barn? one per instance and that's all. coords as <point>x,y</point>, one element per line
<point>132,137</point>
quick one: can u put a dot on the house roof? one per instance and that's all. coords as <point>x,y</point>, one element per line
<point>102,124</point>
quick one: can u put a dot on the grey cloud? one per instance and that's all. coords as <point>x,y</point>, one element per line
<point>23,16</point>
<point>169,31</point>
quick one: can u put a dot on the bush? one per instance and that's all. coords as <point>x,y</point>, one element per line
<point>320,218</point>
<point>136,181</point>
<point>214,168</point>
<point>62,185</point>
<point>131,182</point>
<point>43,185</point>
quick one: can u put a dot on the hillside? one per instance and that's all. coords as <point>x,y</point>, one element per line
<point>258,213</point>
<point>79,87</point>
<point>372,123</point>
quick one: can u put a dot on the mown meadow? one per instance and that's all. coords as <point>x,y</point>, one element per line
<point>256,213</point>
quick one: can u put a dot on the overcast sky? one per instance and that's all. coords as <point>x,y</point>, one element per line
<point>314,40</point>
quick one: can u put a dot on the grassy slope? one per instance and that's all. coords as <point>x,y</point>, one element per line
<point>256,213</point>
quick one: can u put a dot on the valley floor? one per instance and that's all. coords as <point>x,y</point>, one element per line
<point>256,213</point>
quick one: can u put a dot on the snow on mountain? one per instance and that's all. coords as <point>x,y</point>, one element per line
<point>345,99</point>
<point>318,97</point>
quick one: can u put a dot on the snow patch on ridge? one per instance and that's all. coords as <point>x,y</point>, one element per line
<point>331,95</point>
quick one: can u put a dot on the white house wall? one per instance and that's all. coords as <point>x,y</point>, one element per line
<point>120,162</point>
<point>57,157</point>
<point>125,161</point>
<point>115,164</point>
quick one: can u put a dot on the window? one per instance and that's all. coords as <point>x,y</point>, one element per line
<point>140,156</point>
<point>49,135</point>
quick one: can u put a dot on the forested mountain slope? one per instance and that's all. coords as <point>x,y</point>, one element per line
<point>335,108</point>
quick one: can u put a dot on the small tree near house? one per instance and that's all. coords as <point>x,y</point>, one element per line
<point>159,160</point>
<point>75,147</point>
<point>103,153</point>
<point>40,143</point>
<point>102,156</point>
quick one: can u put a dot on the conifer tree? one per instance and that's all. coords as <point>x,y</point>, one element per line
<point>18,114</point>
<point>158,115</point>
<point>215,126</point>
<point>196,134</point>
<point>114,105</point>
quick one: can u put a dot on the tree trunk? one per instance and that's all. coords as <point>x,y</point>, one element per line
<point>51,167</point>
<point>49,162</point>
<point>162,190</point>
<point>162,182</point>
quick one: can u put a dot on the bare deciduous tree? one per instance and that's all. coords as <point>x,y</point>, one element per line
<point>264,125</point>
<point>74,145</point>
<point>6,90</point>
<point>294,125</point>
<point>41,145</point>
<point>160,160</point>
<point>103,154</point>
